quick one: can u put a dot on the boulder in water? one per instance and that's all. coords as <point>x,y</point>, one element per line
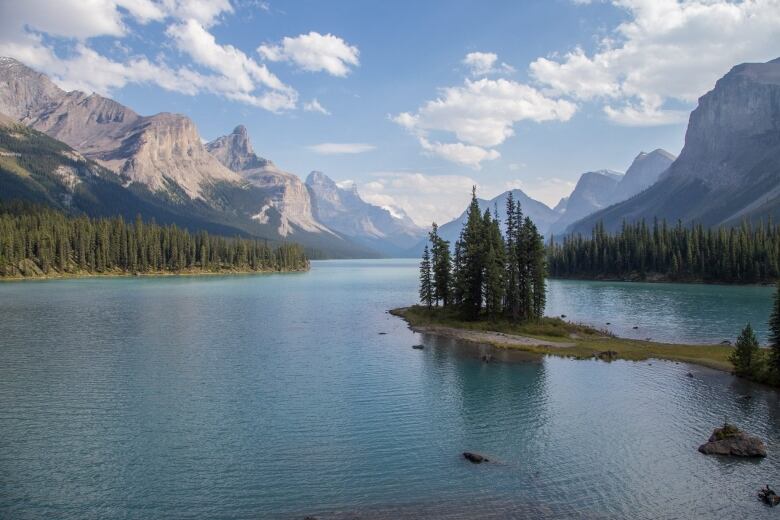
<point>474,458</point>
<point>730,440</point>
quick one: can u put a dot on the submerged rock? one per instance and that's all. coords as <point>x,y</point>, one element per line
<point>769,497</point>
<point>474,458</point>
<point>730,440</point>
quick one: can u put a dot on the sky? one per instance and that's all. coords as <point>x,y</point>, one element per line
<point>413,101</point>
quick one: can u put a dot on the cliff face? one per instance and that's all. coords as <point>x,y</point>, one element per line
<point>235,151</point>
<point>728,169</point>
<point>154,150</point>
<point>25,92</point>
<point>285,195</point>
<point>735,124</point>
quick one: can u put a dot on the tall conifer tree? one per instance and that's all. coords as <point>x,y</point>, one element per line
<point>426,282</point>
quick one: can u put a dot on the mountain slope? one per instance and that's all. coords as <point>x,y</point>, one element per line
<point>643,173</point>
<point>285,193</point>
<point>593,192</point>
<point>344,211</point>
<point>729,168</point>
<point>37,168</point>
<point>163,155</point>
<point>153,150</point>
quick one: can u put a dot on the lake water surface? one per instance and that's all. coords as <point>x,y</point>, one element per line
<point>277,397</point>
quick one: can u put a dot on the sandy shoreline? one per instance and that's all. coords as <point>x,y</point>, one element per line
<point>575,346</point>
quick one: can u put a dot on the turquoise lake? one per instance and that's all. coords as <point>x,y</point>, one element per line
<point>277,397</point>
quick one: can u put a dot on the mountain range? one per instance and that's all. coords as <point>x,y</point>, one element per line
<point>220,185</point>
<point>91,154</point>
<point>729,168</point>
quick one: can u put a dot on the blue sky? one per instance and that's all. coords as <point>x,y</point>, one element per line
<point>429,97</point>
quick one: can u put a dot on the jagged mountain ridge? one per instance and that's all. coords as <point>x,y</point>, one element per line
<point>729,168</point>
<point>286,193</point>
<point>152,150</point>
<point>40,169</point>
<point>164,154</point>
<point>346,212</point>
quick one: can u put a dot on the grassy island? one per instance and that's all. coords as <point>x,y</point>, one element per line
<point>556,337</point>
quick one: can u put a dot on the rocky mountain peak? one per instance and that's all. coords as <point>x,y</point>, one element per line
<point>317,178</point>
<point>644,171</point>
<point>235,151</point>
<point>733,122</point>
<point>24,92</point>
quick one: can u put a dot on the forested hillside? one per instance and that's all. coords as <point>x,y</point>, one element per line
<point>38,241</point>
<point>744,254</point>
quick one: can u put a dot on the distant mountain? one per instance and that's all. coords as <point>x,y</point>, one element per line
<point>390,232</point>
<point>594,191</point>
<point>561,206</point>
<point>285,193</point>
<point>643,173</point>
<point>164,154</point>
<point>729,168</point>
<point>540,214</point>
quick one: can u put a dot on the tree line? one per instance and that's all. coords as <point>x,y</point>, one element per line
<point>744,254</point>
<point>39,240</point>
<point>487,273</point>
<point>753,362</point>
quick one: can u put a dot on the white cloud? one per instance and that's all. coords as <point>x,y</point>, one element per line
<point>239,76</point>
<point>69,24</point>
<point>314,106</point>
<point>668,50</point>
<point>481,114</point>
<point>314,52</point>
<point>205,12</point>
<point>484,63</point>
<point>341,148</point>
<point>460,153</point>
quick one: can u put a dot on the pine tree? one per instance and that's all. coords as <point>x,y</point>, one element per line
<point>426,283</point>
<point>473,251</point>
<point>537,271</point>
<point>744,355</point>
<point>494,267</point>
<point>512,300</point>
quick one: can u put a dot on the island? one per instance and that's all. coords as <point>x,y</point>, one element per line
<point>491,289</point>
